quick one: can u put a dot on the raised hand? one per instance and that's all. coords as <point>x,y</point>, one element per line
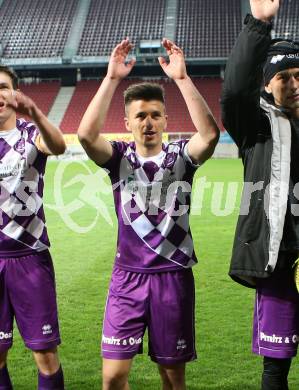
<point>264,10</point>
<point>22,104</point>
<point>176,67</point>
<point>118,68</point>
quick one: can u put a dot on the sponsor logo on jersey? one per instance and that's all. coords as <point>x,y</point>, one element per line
<point>125,342</point>
<point>11,168</point>
<point>20,146</point>
<point>5,336</point>
<point>273,338</point>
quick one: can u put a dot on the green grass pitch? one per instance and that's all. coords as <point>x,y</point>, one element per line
<point>83,264</point>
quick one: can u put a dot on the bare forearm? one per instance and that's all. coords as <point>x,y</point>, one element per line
<point>51,135</point>
<point>95,115</point>
<point>199,111</point>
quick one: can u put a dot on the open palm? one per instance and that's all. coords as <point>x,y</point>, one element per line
<point>118,68</point>
<point>176,67</point>
<point>22,104</point>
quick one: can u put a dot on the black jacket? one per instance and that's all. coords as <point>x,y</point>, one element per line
<point>263,134</point>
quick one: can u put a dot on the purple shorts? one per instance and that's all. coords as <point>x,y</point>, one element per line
<point>163,303</point>
<point>276,316</point>
<point>27,293</point>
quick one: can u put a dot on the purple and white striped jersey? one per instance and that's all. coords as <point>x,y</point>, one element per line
<point>22,168</point>
<point>152,201</point>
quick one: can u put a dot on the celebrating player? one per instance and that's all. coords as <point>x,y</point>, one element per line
<point>266,129</point>
<point>27,286</point>
<point>152,283</point>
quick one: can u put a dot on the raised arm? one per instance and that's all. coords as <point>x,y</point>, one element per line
<point>202,144</point>
<point>50,139</point>
<point>240,98</point>
<point>89,132</point>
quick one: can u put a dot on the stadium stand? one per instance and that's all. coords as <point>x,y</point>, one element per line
<point>179,120</point>
<point>204,29</point>
<point>35,28</point>
<point>286,23</point>
<point>43,93</point>
<point>108,22</point>
<point>83,94</point>
<point>208,28</point>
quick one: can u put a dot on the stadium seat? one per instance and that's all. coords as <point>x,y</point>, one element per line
<point>35,28</point>
<point>286,23</point>
<point>208,28</point>
<point>43,93</point>
<point>108,22</point>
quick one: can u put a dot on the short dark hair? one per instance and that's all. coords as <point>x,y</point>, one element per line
<point>144,91</point>
<point>12,75</point>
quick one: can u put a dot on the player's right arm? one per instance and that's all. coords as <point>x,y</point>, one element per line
<point>89,132</point>
<point>240,98</point>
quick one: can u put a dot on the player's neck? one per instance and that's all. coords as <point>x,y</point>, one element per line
<point>145,151</point>
<point>9,124</point>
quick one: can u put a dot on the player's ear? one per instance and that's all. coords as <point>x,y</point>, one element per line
<point>127,123</point>
<point>268,89</point>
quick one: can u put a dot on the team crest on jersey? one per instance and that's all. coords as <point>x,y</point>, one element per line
<point>20,146</point>
<point>169,159</point>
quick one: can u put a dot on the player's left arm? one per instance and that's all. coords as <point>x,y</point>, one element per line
<point>202,144</point>
<point>50,139</point>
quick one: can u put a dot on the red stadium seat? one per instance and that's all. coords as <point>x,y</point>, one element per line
<point>43,93</point>
<point>179,119</point>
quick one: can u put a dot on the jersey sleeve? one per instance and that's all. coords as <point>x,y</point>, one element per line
<point>32,136</point>
<point>32,132</point>
<point>190,165</point>
<point>187,157</point>
<point>113,164</point>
